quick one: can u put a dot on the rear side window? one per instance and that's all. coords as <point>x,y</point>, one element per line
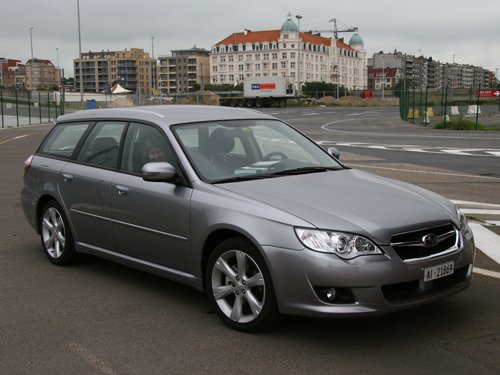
<point>102,145</point>
<point>63,140</point>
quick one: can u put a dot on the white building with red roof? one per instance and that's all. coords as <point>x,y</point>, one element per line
<point>299,56</point>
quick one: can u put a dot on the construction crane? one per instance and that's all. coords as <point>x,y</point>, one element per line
<point>336,31</point>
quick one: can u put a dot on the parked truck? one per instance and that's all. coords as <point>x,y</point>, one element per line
<point>261,92</point>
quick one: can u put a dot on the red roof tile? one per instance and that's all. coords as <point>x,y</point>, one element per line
<point>270,36</point>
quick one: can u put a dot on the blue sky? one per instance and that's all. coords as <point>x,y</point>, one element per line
<point>441,29</point>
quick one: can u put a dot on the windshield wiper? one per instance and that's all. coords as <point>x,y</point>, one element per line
<point>304,170</point>
<point>243,178</point>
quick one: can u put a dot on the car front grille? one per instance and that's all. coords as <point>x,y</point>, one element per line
<point>411,246</point>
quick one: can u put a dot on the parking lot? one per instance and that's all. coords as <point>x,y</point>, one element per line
<point>102,318</point>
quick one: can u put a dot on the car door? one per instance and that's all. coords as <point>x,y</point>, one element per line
<point>85,185</point>
<point>150,219</point>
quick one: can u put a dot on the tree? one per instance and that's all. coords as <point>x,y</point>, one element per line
<point>318,89</point>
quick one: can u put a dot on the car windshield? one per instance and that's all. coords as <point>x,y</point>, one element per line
<point>228,151</point>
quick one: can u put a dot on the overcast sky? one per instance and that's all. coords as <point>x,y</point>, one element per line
<point>470,30</point>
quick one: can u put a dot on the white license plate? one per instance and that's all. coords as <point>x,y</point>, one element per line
<point>436,272</point>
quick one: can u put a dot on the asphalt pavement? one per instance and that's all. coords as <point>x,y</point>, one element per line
<point>101,318</point>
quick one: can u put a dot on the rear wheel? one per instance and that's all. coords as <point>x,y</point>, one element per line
<point>239,286</point>
<point>57,240</point>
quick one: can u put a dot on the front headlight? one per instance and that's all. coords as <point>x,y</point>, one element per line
<point>345,245</point>
<point>464,226</point>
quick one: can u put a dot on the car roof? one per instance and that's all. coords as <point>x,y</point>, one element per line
<point>167,114</point>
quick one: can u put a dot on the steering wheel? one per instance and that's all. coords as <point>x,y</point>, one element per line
<point>271,155</point>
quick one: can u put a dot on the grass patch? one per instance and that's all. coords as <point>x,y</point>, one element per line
<point>461,124</point>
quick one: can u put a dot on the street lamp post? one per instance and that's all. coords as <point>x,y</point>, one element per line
<point>299,17</point>
<point>31,42</point>
<point>80,53</point>
<point>153,66</point>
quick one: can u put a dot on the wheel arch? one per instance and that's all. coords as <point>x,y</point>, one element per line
<point>217,237</point>
<point>39,206</point>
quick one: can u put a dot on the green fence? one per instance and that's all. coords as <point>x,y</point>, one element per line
<point>21,107</point>
<point>426,106</point>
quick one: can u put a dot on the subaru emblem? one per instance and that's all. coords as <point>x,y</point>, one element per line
<point>429,240</point>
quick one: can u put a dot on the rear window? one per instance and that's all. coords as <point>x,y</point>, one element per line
<point>63,140</point>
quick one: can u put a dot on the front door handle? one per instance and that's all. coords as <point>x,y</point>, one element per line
<point>122,190</point>
<point>67,177</point>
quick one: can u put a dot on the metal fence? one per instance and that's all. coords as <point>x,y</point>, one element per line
<point>423,105</point>
<point>20,108</point>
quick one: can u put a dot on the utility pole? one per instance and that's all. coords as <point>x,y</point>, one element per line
<point>80,53</point>
<point>31,42</point>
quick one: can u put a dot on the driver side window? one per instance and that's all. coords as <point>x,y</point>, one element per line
<point>144,144</point>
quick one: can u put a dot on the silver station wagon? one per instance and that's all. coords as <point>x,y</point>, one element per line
<point>244,207</point>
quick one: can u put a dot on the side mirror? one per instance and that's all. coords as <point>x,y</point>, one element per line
<point>158,171</point>
<point>334,152</point>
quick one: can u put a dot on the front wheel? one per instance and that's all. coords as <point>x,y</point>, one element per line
<point>57,241</point>
<point>239,286</point>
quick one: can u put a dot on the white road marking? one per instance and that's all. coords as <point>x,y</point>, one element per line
<point>21,136</point>
<point>480,271</point>
<point>487,241</point>
<point>98,364</point>
<point>424,172</point>
<point>493,222</point>
<point>467,203</point>
<point>478,211</point>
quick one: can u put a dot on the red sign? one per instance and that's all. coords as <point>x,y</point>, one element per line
<point>488,93</point>
<point>268,86</point>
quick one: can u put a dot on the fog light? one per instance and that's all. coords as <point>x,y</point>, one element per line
<point>330,294</point>
<point>334,295</point>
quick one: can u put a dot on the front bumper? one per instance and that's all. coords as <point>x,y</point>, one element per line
<point>376,284</point>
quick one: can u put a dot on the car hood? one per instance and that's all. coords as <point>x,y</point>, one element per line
<point>352,201</point>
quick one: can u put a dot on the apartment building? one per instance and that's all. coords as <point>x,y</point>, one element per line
<point>426,72</point>
<point>182,70</point>
<point>9,70</point>
<point>41,74</point>
<point>132,69</point>
<point>299,56</point>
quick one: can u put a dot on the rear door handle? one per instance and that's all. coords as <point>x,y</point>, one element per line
<point>67,177</point>
<point>122,190</point>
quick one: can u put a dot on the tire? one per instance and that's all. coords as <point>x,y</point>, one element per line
<point>55,234</point>
<point>250,103</point>
<point>239,286</point>
<point>258,103</point>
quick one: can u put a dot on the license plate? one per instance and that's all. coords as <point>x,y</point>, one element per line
<point>436,272</point>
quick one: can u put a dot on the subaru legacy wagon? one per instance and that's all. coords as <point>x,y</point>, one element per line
<point>244,207</point>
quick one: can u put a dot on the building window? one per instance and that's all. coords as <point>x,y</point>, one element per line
<point>283,65</point>
<point>275,65</point>
<point>285,36</point>
<point>292,55</point>
<point>274,56</point>
<point>257,66</point>
<point>284,55</point>
<point>266,56</point>
<point>257,57</point>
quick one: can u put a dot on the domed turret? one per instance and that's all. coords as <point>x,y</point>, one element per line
<point>356,40</point>
<point>289,25</point>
